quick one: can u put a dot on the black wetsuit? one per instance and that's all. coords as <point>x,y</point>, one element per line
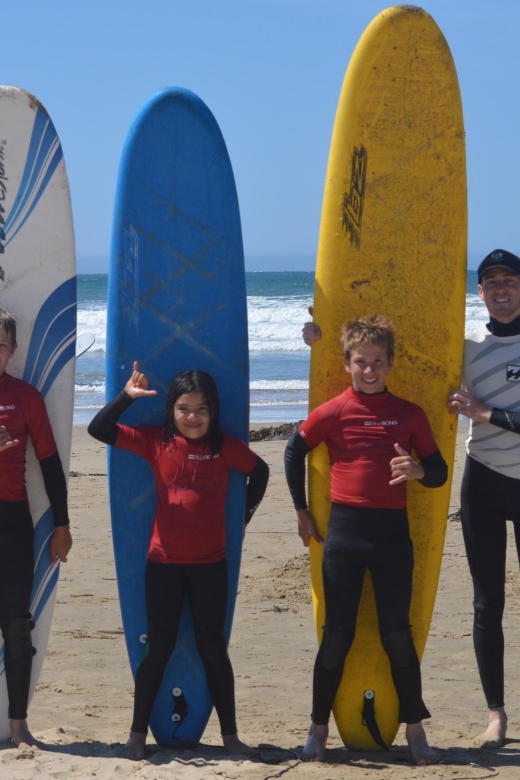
<point>206,586</point>
<point>16,581</point>
<point>359,538</point>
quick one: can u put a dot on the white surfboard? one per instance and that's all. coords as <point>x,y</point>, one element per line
<point>83,343</point>
<point>38,284</point>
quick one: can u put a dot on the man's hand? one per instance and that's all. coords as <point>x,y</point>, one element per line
<point>137,385</point>
<point>5,440</point>
<point>61,543</point>
<point>311,331</point>
<point>461,402</point>
<point>307,528</point>
<point>404,467</point>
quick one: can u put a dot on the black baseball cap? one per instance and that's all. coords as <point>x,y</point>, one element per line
<point>499,258</point>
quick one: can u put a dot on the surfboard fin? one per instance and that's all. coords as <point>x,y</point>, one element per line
<point>369,720</point>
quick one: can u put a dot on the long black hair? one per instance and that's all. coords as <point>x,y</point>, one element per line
<point>195,382</point>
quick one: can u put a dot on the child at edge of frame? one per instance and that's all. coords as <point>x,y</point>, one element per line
<point>23,415</point>
<point>369,434</point>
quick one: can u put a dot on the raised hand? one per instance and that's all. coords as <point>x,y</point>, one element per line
<point>137,385</point>
<point>311,331</point>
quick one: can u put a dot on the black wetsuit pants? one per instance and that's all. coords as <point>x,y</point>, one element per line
<point>206,586</point>
<point>362,538</point>
<point>488,499</point>
<point>16,580</point>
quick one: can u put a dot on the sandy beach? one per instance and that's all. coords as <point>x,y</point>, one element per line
<point>82,705</point>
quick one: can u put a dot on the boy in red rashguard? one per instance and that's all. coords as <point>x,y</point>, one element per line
<point>23,415</point>
<point>369,434</point>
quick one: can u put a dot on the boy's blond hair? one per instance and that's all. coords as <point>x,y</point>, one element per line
<point>371,329</point>
<point>8,323</point>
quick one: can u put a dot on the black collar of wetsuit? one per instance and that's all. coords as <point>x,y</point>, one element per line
<point>497,328</point>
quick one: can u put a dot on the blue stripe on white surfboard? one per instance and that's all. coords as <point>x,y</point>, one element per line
<point>53,338</point>
<point>43,157</point>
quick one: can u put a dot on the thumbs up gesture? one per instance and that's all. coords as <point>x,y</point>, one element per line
<point>404,467</point>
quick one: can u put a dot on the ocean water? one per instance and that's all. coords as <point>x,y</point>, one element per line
<point>279,361</point>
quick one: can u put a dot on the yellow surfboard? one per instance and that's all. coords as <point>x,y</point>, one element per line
<point>393,241</point>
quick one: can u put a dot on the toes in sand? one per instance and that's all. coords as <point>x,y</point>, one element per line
<point>135,747</point>
<point>235,746</point>
<point>22,738</point>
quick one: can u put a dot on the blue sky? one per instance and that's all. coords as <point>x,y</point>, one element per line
<point>271,72</point>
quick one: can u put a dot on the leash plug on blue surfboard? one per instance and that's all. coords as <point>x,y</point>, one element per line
<point>179,712</point>
<point>369,719</point>
<point>180,705</point>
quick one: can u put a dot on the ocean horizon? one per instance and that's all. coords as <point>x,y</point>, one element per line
<point>277,303</point>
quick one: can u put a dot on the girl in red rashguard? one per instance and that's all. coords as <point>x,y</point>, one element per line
<point>190,458</point>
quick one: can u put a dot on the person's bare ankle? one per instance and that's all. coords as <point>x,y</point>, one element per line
<point>135,747</point>
<point>21,737</point>
<point>316,744</point>
<point>494,735</point>
<point>422,753</point>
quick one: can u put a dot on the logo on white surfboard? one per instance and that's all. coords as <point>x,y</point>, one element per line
<point>43,156</point>
<point>3,195</point>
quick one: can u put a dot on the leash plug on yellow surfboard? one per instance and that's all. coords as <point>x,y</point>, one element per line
<point>369,719</point>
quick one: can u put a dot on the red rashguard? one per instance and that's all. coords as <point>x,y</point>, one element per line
<point>24,414</point>
<point>191,484</point>
<point>360,431</point>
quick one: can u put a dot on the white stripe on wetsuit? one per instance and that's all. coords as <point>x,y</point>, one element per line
<point>492,374</point>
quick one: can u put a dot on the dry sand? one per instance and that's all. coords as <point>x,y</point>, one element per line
<point>82,705</point>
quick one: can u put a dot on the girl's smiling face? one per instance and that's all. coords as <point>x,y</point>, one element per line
<point>191,415</point>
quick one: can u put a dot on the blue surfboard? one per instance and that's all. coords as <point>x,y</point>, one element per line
<point>176,301</point>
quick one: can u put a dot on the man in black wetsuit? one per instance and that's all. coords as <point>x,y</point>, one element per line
<point>490,492</point>
<point>22,415</point>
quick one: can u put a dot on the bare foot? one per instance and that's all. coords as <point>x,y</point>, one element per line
<point>135,747</point>
<point>235,746</point>
<point>495,733</point>
<point>21,736</point>
<point>421,751</point>
<point>314,749</point>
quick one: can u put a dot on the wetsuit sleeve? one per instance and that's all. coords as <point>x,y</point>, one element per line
<point>56,488</point>
<point>256,485</point>
<point>509,421</point>
<point>104,425</point>
<point>435,470</point>
<point>295,453</point>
